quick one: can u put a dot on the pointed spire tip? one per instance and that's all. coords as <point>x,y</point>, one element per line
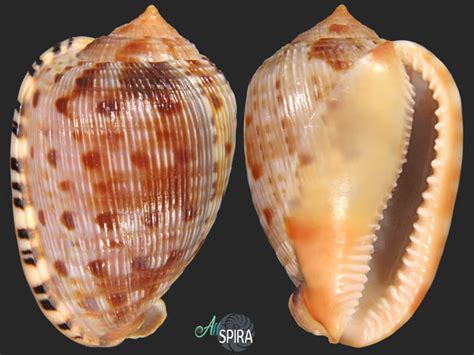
<point>341,8</point>
<point>151,10</point>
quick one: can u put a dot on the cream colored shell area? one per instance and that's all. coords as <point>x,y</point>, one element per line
<point>276,138</point>
<point>215,129</point>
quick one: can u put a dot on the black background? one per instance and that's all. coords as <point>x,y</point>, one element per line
<point>236,271</point>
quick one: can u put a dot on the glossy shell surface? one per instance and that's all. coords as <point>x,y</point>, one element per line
<point>120,156</point>
<point>353,148</point>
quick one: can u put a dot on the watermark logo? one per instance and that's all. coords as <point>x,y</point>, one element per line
<point>235,332</point>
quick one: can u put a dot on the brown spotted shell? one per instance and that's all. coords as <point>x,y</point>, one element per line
<point>353,149</point>
<point>120,156</point>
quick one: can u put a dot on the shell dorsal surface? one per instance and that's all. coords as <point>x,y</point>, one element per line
<point>121,154</point>
<point>353,147</point>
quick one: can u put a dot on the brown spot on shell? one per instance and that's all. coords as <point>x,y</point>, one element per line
<point>100,187</point>
<point>163,87</point>
<point>35,99</point>
<point>324,50</point>
<point>290,136</point>
<point>278,84</point>
<point>228,148</point>
<point>65,185</point>
<point>106,220</point>
<point>338,28</point>
<point>41,218</point>
<point>86,81</point>
<point>133,50</point>
<point>185,155</point>
<point>97,268</point>
<point>215,101</point>
<point>67,219</point>
<point>52,157</point>
<point>305,158</point>
<point>77,135</point>
<point>32,152</point>
<point>61,105</point>
<point>58,77</point>
<point>339,53</point>
<point>146,276</point>
<point>214,190</point>
<point>140,159</point>
<point>257,171</point>
<point>60,268</point>
<point>268,215</point>
<point>248,120</point>
<point>280,100</point>
<point>91,160</point>
<point>253,163</point>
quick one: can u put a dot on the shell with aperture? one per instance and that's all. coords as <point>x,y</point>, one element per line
<point>353,149</point>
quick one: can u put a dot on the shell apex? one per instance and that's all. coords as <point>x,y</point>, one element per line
<point>340,24</point>
<point>149,24</point>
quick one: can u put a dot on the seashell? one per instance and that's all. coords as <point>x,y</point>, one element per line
<point>120,156</point>
<point>353,150</point>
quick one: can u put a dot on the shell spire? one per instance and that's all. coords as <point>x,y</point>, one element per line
<point>340,24</point>
<point>148,38</point>
<point>149,24</point>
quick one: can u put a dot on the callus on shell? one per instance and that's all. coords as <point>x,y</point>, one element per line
<point>121,153</point>
<point>353,149</point>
